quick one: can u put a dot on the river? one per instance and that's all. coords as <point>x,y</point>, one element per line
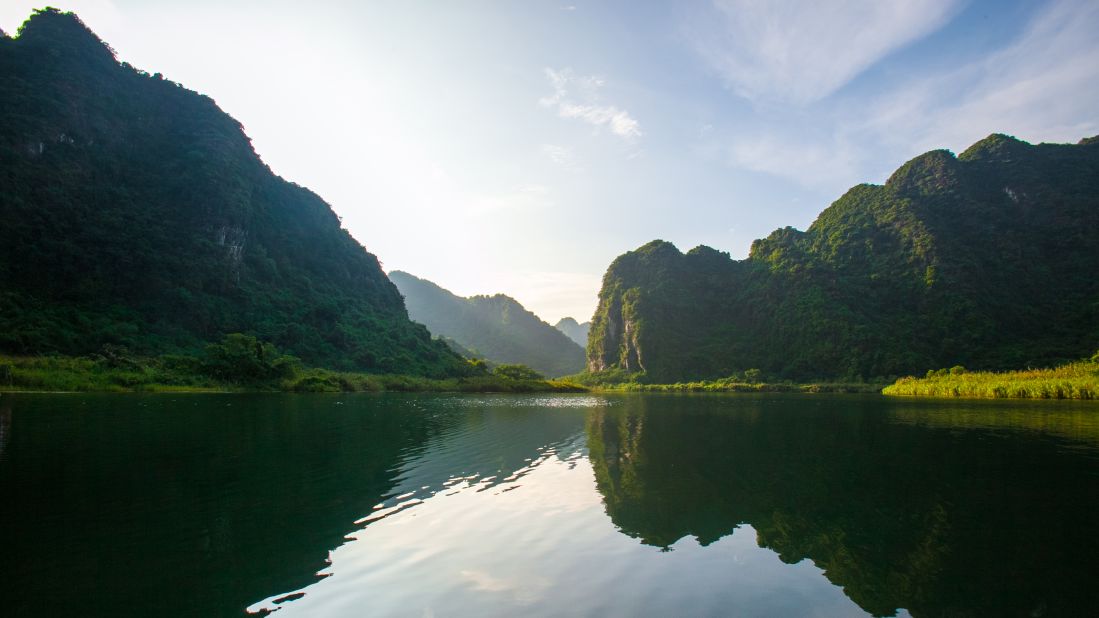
<point>562,505</point>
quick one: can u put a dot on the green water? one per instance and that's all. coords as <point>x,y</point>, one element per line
<point>580,505</point>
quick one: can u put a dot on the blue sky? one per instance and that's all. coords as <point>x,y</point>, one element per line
<point>519,147</point>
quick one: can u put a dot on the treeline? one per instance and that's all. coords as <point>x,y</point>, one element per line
<point>749,381</point>
<point>243,363</point>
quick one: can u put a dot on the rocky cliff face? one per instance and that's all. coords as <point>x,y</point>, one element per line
<point>981,260</point>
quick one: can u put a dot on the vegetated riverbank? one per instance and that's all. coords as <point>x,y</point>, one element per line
<point>750,382</point>
<point>741,387</point>
<point>77,374</point>
<point>241,363</point>
<point>1079,380</point>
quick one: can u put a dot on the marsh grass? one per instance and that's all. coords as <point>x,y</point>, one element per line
<point>619,382</point>
<point>1078,380</point>
<point>323,380</point>
<point>742,387</point>
<point>64,373</point>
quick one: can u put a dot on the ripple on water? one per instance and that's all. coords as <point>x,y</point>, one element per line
<point>529,401</point>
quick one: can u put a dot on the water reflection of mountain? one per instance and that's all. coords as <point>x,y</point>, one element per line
<point>201,505</point>
<point>941,522</point>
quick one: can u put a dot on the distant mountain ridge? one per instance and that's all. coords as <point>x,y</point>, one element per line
<point>576,332</point>
<point>986,260</point>
<point>136,213</point>
<point>497,327</point>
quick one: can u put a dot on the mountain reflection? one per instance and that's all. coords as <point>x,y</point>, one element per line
<point>208,505</point>
<point>939,520</point>
<point>192,506</point>
<point>201,505</point>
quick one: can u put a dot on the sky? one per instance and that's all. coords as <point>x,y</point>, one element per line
<point>519,147</point>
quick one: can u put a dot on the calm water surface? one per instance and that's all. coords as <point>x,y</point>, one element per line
<point>436,505</point>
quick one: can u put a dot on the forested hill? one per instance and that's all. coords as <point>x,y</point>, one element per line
<point>495,327</point>
<point>576,332</point>
<point>987,260</point>
<point>135,212</point>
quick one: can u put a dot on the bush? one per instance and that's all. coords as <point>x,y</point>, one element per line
<point>317,384</point>
<point>517,372</point>
<point>116,357</point>
<point>242,358</point>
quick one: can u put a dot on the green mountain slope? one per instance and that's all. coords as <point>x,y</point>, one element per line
<point>135,212</point>
<point>987,260</point>
<point>497,327</point>
<point>573,330</point>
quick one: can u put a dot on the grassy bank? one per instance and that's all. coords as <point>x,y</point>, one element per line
<point>740,387</point>
<point>1078,380</point>
<point>182,373</point>
<point>616,381</point>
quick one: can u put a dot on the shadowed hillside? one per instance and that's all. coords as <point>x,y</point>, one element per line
<point>136,213</point>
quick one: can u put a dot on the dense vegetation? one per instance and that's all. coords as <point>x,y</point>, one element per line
<point>1078,380</point>
<point>136,213</point>
<point>986,260</point>
<point>575,331</point>
<point>241,362</point>
<point>495,328</point>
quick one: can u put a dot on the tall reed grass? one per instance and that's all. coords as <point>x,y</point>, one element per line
<point>1078,380</point>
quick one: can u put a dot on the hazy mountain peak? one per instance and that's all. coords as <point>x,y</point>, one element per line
<point>495,326</point>
<point>575,331</point>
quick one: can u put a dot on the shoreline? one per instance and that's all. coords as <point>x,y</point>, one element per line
<point>1077,381</point>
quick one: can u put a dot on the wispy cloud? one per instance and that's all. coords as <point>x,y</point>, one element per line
<point>562,156</point>
<point>828,166</point>
<point>577,96</point>
<point>800,52</point>
<point>1041,86</point>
